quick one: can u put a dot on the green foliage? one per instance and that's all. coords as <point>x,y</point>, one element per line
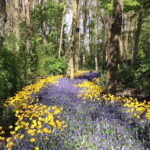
<point>9,116</point>
<point>142,75</point>
<point>125,75</point>
<point>52,66</point>
<point>103,78</point>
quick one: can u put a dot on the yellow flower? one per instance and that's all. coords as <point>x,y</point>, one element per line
<point>12,132</point>
<point>0,128</point>
<point>134,115</point>
<point>16,136</point>
<point>39,131</point>
<point>45,130</point>
<point>32,139</point>
<point>2,132</point>
<point>21,136</point>
<point>8,139</point>
<point>36,148</point>
<point>11,143</point>
<point>10,127</point>
<point>2,138</point>
<point>32,134</point>
<point>46,138</point>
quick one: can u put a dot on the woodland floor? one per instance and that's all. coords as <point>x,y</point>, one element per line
<point>132,92</point>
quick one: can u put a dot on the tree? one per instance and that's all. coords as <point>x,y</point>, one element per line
<point>3,17</point>
<point>62,27</point>
<point>28,31</point>
<point>43,23</point>
<point>106,25</point>
<point>70,71</point>
<point>77,38</point>
<point>111,79</point>
<point>137,35</point>
<point>126,35</point>
<point>84,28</point>
<point>16,18</point>
<point>96,34</point>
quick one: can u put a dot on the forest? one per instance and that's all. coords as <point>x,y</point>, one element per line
<point>74,75</point>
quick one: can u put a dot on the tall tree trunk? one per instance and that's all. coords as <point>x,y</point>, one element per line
<point>70,71</point>
<point>133,36</point>
<point>28,31</point>
<point>43,23</point>
<point>121,49</point>
<point>137,35</point>
<point>62,28</point>
<point>77,38</point>
<point>96,34</point>
<point>111,79</point>
<point>3,17</point>
<point>16,18</point>
<point>126,36</point>
<point>107,24</point>
<point>84,29</point>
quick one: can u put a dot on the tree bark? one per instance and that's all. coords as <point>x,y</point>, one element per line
<point>62,27</point>
<point>70,71</point>
<point>3,18</point>
<point>28,31</point>
<point>111,79</point>
<point>121,49</point>
<point>77,38</point>
<point>107,24</point>
<point>126,36</point>
<point>43,23</point>
<point>137,35</point>
<point>96,34</point>
<point>84,29</point>
<point>16,24</point>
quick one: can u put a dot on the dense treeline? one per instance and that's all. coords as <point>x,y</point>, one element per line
<point>38,41</point>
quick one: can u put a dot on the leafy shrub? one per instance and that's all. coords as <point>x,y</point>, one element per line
<point>142,75</point>
<point>125,75</point>
<point>9,116</point>
<point>52,66</point>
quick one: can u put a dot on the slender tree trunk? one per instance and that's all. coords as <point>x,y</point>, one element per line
<point>28,31</point>
<point>126,36</point>
<point>111,79</point>
<point>43,23</point>
<point>107,38</point>
<point>3,17</point>
<point>121,49</point>
<point>70,71</point>
<point>16,18</point>
<point>84,30</point>
<point>62,27</point>
<point>77,38</point>
<point>137,35</point>
<point>96,34</point>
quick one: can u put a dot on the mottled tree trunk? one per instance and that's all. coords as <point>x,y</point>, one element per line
<point>62,28</point>
<point>3,18</point>
<point>107,24</point>
<point>137,35</point>
<point>84,29</point>
<point>16,24</point>
<point>111,79</point>
<point>70,71</point>
<point>77,38</point>
<point>96,34</point>
<point>28,31</point>
<point>43,23</point>
<point>126,36</point>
